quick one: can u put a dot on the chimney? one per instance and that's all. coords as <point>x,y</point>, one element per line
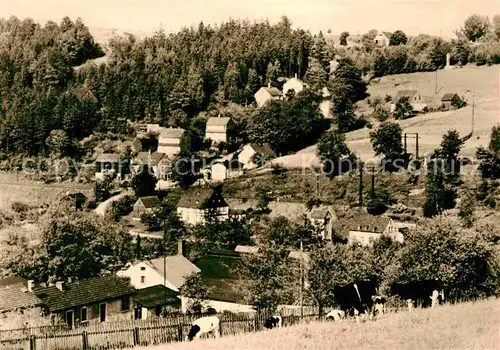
<point>60,285</point>
<point>31,284</point>
<point>180,247</point>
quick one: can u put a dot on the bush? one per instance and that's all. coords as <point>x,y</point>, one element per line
<point>20,207</point>
<point>388,98</point>
<point>491,202</point>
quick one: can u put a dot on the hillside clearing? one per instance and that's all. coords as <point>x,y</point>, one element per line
<point>484,81</point>
<point>472,325</point>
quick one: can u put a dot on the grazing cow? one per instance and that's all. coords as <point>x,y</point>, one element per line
<point>429,292</point>
<point>335,315</point>
<point>204,325</point>
<point>356,296</point>
<point>273,321</point>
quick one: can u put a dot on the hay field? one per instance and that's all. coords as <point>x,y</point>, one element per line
<point>473,325</point>
<point>485,81</point>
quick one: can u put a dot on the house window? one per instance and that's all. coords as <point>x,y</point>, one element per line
<point>70,318</point>
<point>143,279</point>
<point>143,268</point>
<point>126,304</point>
<point>83,315</point>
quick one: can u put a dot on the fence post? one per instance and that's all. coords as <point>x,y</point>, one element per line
<point>136,336</point>
<point>256,322</point>
<point>220,328</point>
<point>85,340</point>
<point>32,342</point>
<point>179,331</point>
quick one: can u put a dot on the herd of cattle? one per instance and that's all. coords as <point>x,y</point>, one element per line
<point>354,299</point>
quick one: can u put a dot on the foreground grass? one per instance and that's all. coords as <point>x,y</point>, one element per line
<point>474,325</point>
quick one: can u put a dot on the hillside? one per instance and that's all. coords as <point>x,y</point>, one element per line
<point>484,81</point>
<point>472,325</point>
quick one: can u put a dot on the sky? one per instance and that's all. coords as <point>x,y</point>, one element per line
<point>436,17</point>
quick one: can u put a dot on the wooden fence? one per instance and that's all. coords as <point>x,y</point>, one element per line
<point>122,335</point>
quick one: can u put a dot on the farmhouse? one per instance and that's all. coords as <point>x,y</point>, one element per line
<point>199,204</point>
<point>294,84</point>
<point>365,229</point>
<point>265,94</point>
<point>108,164</point>
<point>218,129</point>
<point>383,38</point>
<point>254,155</point>
<point>451,100</point>
<point>16,295</point>
<point>145,205</point>
<point>157,161</point>
<point>416,100</point>
<point>150,301</point>
<point>89,301</point>
<point>149,273</point>
<point>169,141</point>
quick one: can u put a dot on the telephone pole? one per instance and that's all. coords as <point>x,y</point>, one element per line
<point>301,281</point>
<point>360,184</point>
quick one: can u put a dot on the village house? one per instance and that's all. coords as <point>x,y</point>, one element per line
<point>169,141</point>
<point>149,273</point>
<point>326,105</point>
<point>150,301</point>
<point>16,295</point>
<point>221,170</point>
<point>157,161</point>
<point>94,300</point>
<point>451,101</point>
<point>365,229</point>
<point>219,129</point>
<point>265,94</point>
<point>294,84</point>
<point>145,205</point>
<point>416,100</point>
<point>197,205</point>
<point>108,164</point>
<point>253,155</point>
<point>382,38</point>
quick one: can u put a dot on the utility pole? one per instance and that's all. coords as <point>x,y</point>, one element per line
<point>301,281</point>
<point>373,183</point>
<point>472,128</point>
<point>164,268</point>
<point>360,184</point>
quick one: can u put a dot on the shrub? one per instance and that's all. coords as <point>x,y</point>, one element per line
<point>491,202</point>
<point>388,98</point>
<point>20,207</point>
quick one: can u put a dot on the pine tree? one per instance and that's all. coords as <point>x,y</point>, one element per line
<point>435,201</point>
<point>316,76</point>
<point>320,52</point>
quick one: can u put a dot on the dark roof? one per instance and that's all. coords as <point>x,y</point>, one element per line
<point>263,149</point>
<point>84,292</point>
<point>199,197</point>
<point>84,94</point>
<point>275,92</point>
<point>14,294</point>
<point>155,296</point>
<point>388,34</point>
<point>405,93</point>
<point>218,121</point>
<point>449,96</point>
<point>362,222</point>
<point>150,159</point>
<point>173,133</point>
<point>108,158</point>
<point>150,202</point>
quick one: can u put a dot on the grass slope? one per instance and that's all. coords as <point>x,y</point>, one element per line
<point>472,325</point>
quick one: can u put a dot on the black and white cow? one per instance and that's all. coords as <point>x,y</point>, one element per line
<point>356,296</point>
<point>335,315</point>
<point>378,305</point>
<point>427,292</point>
<point>273,322</point>
<point>204,325</point>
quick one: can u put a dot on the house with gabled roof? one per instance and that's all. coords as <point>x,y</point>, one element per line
<point>150,301</point>
<point>109,164</point>
<point>145,205</point>
<point>383,38</point>
<point>169,141</point>
<point>94,300</point>
<point>451,100</point>
<point>295,84</point>
<point>16,295</point>
<point>253,155</point>
<point>266,94</point>
<point>197,205</point>
<point>218,129</point>
<point>157,161</point>
<point>415,98</point>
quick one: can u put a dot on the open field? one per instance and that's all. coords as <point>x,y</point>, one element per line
<point>472,325</point>
<point>484,81</point>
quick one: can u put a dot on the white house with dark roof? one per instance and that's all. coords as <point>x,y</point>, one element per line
<point>248,154</point>
<point>196,205</point>
<point>382,38</point>
<point>294,84</point>
<point>169,141</point>
<point>415,98</point>
<point>108,164</point>
<point>149,273</point>
<point>267,93</point>
<point>145,205</point>
<point>218,128</point>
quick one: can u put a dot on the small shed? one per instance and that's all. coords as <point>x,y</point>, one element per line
<point>451,100</point>
<point>145,204</point>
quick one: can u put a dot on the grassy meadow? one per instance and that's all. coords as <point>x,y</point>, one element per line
<point>471,325</point>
